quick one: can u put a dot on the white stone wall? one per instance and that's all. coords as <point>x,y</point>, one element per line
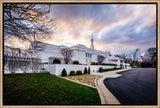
<point>56,69</point>
<point>96,67</point>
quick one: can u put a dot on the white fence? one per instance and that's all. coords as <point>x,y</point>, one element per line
<point>56,69</point>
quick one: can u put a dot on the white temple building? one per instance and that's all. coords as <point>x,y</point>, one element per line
<point>41,56</point>
<point>81,53</point>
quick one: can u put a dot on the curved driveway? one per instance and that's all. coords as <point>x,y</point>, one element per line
<point>134,87</point>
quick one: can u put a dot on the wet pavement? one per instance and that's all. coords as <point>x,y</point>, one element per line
<point>134,87</point>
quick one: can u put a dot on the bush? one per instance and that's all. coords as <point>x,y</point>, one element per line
<point>85,70</point>
<point>79,72</point>
<point>89,70</point>
<point>109,64</point>
<point>119,68</point>
<point>146,64</point>
<point>110,69</point>
<point>100,69</point>
<point>56,61</point>
<point>64,73</point>
<point>94,63</point>
<point>72,73</point>
<point>75,62</point>
<point>114,60</point>
<point>115,68</point>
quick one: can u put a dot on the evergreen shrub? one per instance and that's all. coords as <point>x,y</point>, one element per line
<point>56,61</point>
<point>72,73</point>
<point>76,62</point>
<point>94,63</point>
<point>85,70</point>
<point>79,72</point>
<point>64,73</point>
<point>100,69</point>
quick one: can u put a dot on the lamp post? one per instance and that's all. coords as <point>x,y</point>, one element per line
<point>86,61</point>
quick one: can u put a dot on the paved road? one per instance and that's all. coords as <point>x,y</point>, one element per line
<point>135,87</point>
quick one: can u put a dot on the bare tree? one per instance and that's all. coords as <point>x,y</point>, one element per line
<point>13,63</point>
<point>151,55</point>
<point>16,58</point>
<point>36,63</point>
<point>123,56</point>
<point>108,53</point>
<point>67,54</point>
<point>118,55</point>
<point>100,59</point>
<point>35,47</point>
<point>22,20</point>
<point>135,56</point>
<point>24,64</point>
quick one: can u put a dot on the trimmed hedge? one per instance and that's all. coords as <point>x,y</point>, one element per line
<point>111,69</point>
<point>56,61</point>
<point>94,63</point>
<point>146,64</point>
<point>76,62</point>
<point>100,69</point>
<point>115,60</point>
<point>109,64</point>
<point>85,70</point>
<point>64,73</point>
<point>72,73</point>
<point>79,72</point>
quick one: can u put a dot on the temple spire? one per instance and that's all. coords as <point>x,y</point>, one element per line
<point>92,46</point>
<point>34,37</point>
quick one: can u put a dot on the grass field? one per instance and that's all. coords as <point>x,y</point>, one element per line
<point>46,89</point>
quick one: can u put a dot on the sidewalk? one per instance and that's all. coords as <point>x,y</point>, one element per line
<point>105,95</point>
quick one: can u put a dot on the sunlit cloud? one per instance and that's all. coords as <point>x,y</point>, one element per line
<point>115,27</point>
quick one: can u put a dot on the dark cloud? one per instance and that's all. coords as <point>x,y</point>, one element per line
<point>126,24</point>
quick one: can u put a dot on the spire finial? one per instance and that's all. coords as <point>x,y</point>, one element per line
<point>34,35</point>
<point>92,46</point>
<point>92,35</point>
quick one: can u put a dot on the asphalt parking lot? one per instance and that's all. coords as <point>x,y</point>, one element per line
<point>135,87</point>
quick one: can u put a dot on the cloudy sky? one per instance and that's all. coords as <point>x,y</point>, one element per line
<point>119,28</point>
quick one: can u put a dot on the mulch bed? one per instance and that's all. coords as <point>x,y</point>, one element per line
<point>85,78</point>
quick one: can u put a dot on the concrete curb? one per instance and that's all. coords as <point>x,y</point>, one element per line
<point>99,91</point>
<point>105,95</point>
<point>109,98</point>
<point>77,82</point>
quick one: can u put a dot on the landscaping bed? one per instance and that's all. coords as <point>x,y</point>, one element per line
<point>85,78</point>
<point>46,89</point>
<point>110,69</point>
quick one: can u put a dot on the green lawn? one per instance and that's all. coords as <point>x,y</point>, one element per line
<point>46,89</point>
